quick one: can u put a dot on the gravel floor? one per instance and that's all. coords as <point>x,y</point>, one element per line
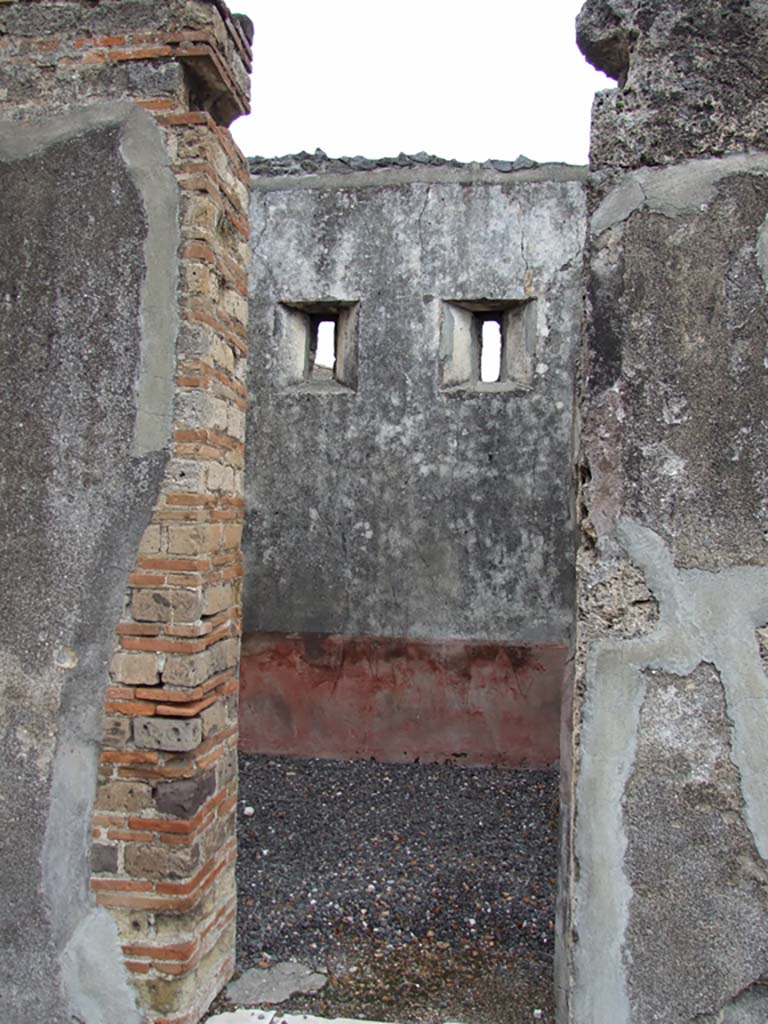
<point>425,891</point>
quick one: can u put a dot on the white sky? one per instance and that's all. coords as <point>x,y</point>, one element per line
<point>470,81</point>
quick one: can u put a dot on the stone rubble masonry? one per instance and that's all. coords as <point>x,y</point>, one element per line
<point>686,71</point>
<point>163,857</point>
<point>300,164</point>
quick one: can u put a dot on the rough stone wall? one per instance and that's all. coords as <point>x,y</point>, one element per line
<point>666,870</point>
<point>132,228</point>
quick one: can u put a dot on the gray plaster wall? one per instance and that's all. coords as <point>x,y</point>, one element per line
<point>402,509</point>
<point>87,342</point>
<point>669,877</point>
<point>667,880</point>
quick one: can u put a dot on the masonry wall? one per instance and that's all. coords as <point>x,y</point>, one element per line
<point>122,345</point>
<point>122,330</point>
<point>85,480</point>
<point>666,879</point>
<point>408,504</point>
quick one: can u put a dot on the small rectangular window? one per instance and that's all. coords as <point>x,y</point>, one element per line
<point>488,345</point>
<point>319,348</point>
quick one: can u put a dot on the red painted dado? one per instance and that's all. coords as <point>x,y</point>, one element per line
<point>396,700</point>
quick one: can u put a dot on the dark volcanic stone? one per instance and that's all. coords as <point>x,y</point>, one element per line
<point>425,890</point>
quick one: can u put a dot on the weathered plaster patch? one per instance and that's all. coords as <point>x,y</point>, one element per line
<point>673,191</point>
<point>748,1007</point>
<point>95,991</point>
<point>82,514</point>
<point>148,165</point>
<point>703,617</point>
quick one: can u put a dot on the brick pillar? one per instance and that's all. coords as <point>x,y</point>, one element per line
<point>164,827</point>
<point>164,824</point>
<point>666,879</point>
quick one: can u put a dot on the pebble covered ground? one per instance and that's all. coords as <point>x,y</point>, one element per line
<point>425,891</point>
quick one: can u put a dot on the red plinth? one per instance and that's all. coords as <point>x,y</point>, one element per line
<point>398,700</point>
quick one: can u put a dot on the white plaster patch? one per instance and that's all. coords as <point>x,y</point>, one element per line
<point>672,466</point>
<point>277,983</point>
<point>668,463</point>
<point>306,1018</point>
<point>674,410</point>
<point>762,251</point>
<point>243,1017</point>
<point>257,1016</point>
<point>93,975</point>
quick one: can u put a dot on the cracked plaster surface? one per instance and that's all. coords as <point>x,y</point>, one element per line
<point>673,191</point>
<point>703,617</point>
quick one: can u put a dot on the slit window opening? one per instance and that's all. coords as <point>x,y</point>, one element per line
<point>322,349</point>
<point>490,340</point>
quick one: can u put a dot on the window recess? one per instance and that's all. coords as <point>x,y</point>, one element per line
<point>488,345</point>
<point>319,346</point>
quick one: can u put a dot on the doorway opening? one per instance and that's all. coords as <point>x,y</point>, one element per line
<point>415,882</point>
